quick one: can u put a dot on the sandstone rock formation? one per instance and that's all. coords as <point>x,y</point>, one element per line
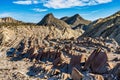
<point>52,52</point>
<point>52,62</point>
<point>106,27</point>
<point>9,20</point>
<point>97,62</point>
<point>76,60</point>
<point>9,35</point>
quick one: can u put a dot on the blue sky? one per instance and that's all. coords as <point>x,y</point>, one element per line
<point>34,10</point>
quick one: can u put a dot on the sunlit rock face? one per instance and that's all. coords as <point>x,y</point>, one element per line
<point>9,20</point>
<point>107,27</point>
<point>52,50</point>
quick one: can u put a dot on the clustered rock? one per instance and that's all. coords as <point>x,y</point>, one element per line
<point>97,67</point>
<point>68,59</point>
<point>51,49</point>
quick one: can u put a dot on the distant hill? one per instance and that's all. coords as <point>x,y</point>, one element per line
<point>50,20</point>
<point>76,21</point>
<point>48,28</point>
<point>9,20</point>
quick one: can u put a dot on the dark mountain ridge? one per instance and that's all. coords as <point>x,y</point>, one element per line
<point>50,20</point>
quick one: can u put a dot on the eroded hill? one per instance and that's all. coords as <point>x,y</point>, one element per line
<point>106,27</point>
<point>51,50</point>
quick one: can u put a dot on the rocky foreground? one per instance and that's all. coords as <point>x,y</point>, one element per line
<point>61,59</point>
<point>60,49</point>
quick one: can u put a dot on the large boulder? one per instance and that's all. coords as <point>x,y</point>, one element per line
<point>97,62</point>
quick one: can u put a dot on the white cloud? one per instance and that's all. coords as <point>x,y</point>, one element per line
<point>103,1</point>
<point>39,10</point>
<point>57,4</point>
<point>26,2</point>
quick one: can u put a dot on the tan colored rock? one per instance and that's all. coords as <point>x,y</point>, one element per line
<point>59,60</point>
<point>65,76</point>
<point>56,71</point>
<point>48,67</point>
<point>111,65</point>
<point>97,77</point>
<point>76,75</point>
<point>9,20</point>
<point>83,58</point>
<point>7,36</point>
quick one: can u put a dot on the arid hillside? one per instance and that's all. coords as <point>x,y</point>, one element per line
<point>107,27</point>
<point>53,50</point>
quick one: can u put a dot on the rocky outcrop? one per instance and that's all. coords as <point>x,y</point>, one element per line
<point>109,44</point>
<point>58,59</point>
<point>106,27</point>
<point>97,62</point>
<point>77,75</point>
<point>96,65</point>
<point>7,35</point>
<point>76,60</point>
<point>54,53</point>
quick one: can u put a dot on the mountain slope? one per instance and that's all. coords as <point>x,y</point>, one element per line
<point>11,30</point>
<point>50,20</point>
<point>106,27</point>
<point>75,21</point>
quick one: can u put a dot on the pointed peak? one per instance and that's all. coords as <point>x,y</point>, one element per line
<point>50,20</point>
<point>76,15</point>
<point>50,15</point>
